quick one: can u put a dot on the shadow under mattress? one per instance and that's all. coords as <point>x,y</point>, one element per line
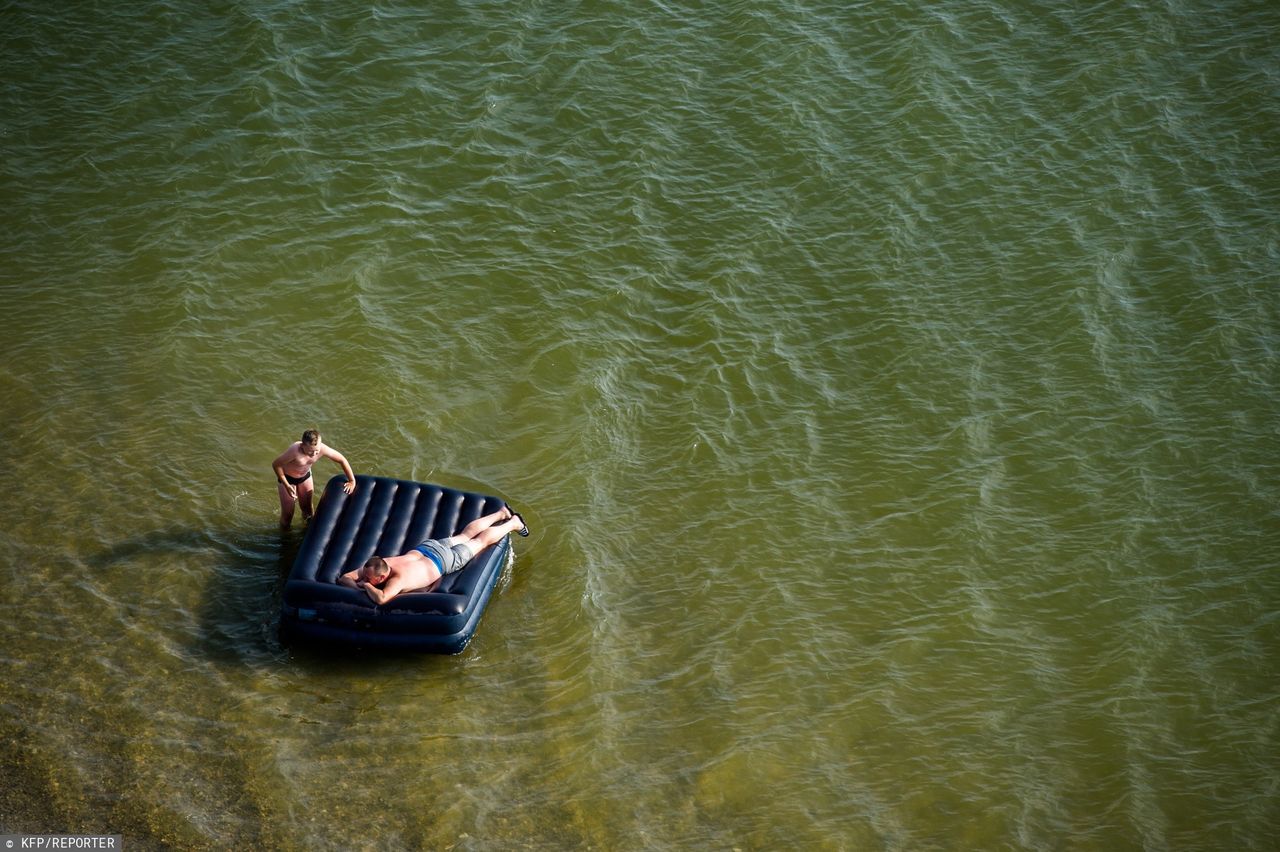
<point>387,517</point>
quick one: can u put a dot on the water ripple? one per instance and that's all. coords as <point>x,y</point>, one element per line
<point>891,390</point>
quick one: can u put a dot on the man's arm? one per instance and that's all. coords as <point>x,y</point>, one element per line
<point>390,589</point>
<point>278,467</point>
<point>350,485</point>
<point>352,580</point>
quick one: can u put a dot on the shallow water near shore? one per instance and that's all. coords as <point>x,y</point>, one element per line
<point>891,389</point>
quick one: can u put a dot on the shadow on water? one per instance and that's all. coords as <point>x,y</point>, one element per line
<point>240,615</point>
<point>241,576</point>
<point>240,612</point>
<point>237,612</point>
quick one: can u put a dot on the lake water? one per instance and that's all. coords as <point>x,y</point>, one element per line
<point>892,390</point>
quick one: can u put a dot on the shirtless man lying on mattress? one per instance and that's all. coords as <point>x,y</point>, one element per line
<point>384,578</point>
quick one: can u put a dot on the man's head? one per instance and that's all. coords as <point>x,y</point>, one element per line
<point>375,570</point>
<point>310,443</point>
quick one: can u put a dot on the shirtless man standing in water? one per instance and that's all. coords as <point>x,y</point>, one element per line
<point>293,474</point>
<point>384,578</point>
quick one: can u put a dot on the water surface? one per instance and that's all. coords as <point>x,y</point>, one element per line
<point>891,388</point>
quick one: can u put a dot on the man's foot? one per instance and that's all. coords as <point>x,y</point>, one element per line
<point>524,528</point>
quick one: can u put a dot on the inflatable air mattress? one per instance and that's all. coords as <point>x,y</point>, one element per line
<point>386,517</point>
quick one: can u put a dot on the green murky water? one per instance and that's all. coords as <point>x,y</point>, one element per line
<point>891,388</point>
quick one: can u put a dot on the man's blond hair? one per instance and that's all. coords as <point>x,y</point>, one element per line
<point>375,569</point>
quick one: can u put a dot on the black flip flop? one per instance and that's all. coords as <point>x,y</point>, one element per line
<point>524,528</point>
<point>515,514</point>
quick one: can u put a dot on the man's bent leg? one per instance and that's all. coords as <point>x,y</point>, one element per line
<point>286,506</point>
<point>304,497</point>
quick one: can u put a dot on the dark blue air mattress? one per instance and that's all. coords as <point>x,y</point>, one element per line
<point>388,517</point>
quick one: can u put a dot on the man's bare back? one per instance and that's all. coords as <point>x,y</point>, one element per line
<point>412,570</point>
<point>384,577</point>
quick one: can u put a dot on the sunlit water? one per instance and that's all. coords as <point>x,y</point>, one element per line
<point>891,389</point>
